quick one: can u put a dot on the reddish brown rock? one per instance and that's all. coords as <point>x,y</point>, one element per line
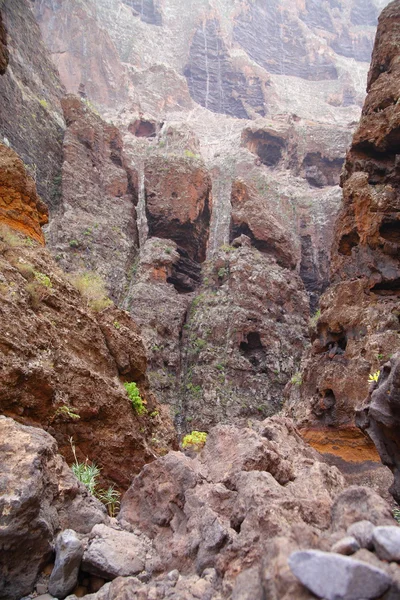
<point>252,216</point>
<point>358,327</point>
<point>178,202</point>
<point>40,497</point>
<point>94,224</point>
<point>20,206</point>
<point>65,369</point>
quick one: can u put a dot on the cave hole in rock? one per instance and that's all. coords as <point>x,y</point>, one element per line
<point>143,128</point>
<point>321,171</point>
<point>236,523</point>
<point>390,230</point>
<point>389,287</point>
<point>333,342</point>
<point>348,242</point>
<point>186,273</point>
<point>252,349</point>
<point>238,229</point>
<point>324,406</point>
<point>267,147</point>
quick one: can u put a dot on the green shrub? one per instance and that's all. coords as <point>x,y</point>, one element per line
<point>67,411</point>
<point>134,396</point>
<point>92,288</point>
<point>43,279</point>
<point>194,440</point>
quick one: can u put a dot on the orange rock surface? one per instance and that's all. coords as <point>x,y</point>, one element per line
<point>20,206</point>
<point>350,444</point>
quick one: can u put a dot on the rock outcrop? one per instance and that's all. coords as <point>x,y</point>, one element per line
<point>31,120</point>
<point>93,226</point>
<point>379,418</point>
<point>20,206</point>
<point>358,328</point>
<point>39,496</point>
<point>4,54</point>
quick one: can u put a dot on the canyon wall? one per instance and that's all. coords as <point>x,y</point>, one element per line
<point>358,328</point>
<point>231,173</point>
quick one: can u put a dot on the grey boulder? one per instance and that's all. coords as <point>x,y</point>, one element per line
<point>362,531</point>
<point>347,546</point>
<point>336,577</point>
<point>386,542</point>
<point>113,553</point>
<point>69,552</point>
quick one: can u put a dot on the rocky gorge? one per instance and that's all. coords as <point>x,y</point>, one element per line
<point>170,188</point>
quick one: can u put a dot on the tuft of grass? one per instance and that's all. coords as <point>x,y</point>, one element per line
<point>92,288</point>
<point>67,412</point>
<point>110,498</point>
<point>314,319</point>
<point>297,379</point>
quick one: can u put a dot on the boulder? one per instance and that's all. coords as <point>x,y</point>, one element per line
<point>335,577</point>
<point>69,552</point>
<point>386,542</point>
<point>114,553</point>
<point>37,488</point>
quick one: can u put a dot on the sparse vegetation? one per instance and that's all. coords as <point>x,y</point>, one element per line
<point>73,244</point>
<point>314,319</point>
<point>372,377</point>
<point>67,412</point>
<point>88,474</point>
<point>92,288</point>
<point>134,396</point>
<point>194,440</point>
<point>9,237</point>
<point>297,379</point>
<point>223,272</point>
<point>44,103</point>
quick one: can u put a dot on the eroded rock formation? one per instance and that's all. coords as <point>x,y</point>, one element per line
<point>20,206</point>
<point>31,118</point>
<point>358,328</point>
<point>4,54</point>
<point>93,226</point>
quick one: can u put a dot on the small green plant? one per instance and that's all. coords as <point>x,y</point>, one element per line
<point>110,498</point>
<point>314,319</point>
<point>222,272</point>
<point>43,279</point>
<point>117,325</point>
<point>134,396</point>
<point>194,440</point>
<point>372,377</point>
<point>44,103</point>
<point>380,356</point>
<point>220,367</point>
<point>194,389</point>
<point>85,473</point>
<point>154,414</point>
<point>396,514</point>
<point>200,344</point>
<point>67,411</point>
<point>93,289</point>
<point>73,244</point>
<point>297,379</point>
<point>227,248</point>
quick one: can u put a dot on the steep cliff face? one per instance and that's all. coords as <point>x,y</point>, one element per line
<point>358,329</point>
<point>93,226</point>
<point>30,91</point>
<point>4,54</point>
<point>65,369</point>
<point>217,159</point>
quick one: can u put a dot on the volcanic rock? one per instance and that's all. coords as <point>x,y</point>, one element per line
<point>94,225</point>
<point>64,370</point>
<point>386,542</point>
<point>4,54</point>
<point>69,552</point>
<point>332,576</point>
<point>31,118</point>
<point>39,497</point>
<point>20,206</point>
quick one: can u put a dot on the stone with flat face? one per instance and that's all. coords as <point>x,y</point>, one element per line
<point>336,577</point>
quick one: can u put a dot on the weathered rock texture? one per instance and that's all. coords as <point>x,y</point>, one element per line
<point>64,370</point>
<point>30,90</point>
<point>358,329</point>
<point>4,54</point>
<point>39,496</point>
<point>93,226</point>
<point>379,418</point>
<point>20,206</point>
<point>241,507</point>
